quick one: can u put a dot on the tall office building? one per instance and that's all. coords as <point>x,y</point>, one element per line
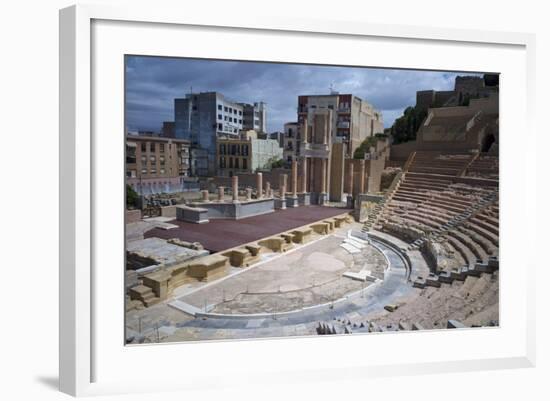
<point>201,118</point>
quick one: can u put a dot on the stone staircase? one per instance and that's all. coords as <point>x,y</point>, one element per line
<point>435,280</point>
<point>373,216</point>
<point>144,294</point>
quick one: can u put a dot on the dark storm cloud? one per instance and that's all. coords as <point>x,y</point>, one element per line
<point>152,83</point>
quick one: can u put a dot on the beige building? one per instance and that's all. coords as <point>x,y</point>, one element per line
<point>246,154</point>
<point>352,119</point>
<point>156,164</point>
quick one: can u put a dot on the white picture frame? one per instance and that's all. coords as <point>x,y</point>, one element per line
<point>91,362</point>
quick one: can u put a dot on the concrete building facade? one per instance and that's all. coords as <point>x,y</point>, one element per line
<point>156,164</point>
<point>255,116</point>
<point>353,119</point>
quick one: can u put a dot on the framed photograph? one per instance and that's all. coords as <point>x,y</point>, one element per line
<point>275,198</point>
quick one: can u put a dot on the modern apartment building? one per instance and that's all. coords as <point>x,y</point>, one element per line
<point>353,119</point>
<point>246,154</point>
<point>201,118</point>
<point>255,116</point>
<point>156,164</point>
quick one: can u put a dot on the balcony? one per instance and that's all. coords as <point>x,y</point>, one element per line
<point>343,124</point>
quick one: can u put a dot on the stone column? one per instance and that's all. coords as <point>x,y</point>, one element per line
<point>205,196</point>
<point>221,194</point>
<point>350,177</point>
<point>282,191</point>
<point>362,176</point>
<point>235,185</point>
<point>259,186</point>
<point>268,189</point>
<point>248,194</point>
<point>304,175</point>
<point>282,180</point>
<point>294,178</point>
<point>323,175</point>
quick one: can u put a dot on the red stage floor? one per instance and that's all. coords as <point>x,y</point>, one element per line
<point>218,235</point>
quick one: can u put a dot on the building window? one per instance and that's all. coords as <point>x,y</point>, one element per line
<point>245,164</point>
<point>162,171</point>
<point>220,127</point>
<point>230,162</point>
<point>245,150</point>
<point>152,146</point>
<point>236,162</point>
<point>153,159</point>
<point>225,109</point>
<point>143,159</point>
<point>240,113</point>
<point>161,148</point>
<point>219,106</point>
<point>143,147</point>
<point>220,117</point>
<point>225,118</point>
<point>240,121</point>
<point>234,111</point>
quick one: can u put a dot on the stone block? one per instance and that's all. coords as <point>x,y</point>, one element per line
<point>331,224</point>
<point>455,324</point>
<point>417,326</point>
<point>321,228</point>
<point>302,235</point>
<point>254,250</point>
<point>275,244</point>
<point>192,214</point>
<point>391,307</point>
<point>241,257</point>
<point>208,267</point>
<point>168,211</point>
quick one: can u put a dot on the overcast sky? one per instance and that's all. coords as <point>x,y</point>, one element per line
<point>152,83</point>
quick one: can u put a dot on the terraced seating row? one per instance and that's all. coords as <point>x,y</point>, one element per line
<point>437,163</point>
<point>485,166</point>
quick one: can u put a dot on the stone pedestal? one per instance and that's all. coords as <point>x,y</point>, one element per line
<point>304,199</point>
<point>292,201</point>
<point>205,196</point>
<point>322,199</point>
<point>349,202</point>
<point>221,194</point>
<point>248,194</point>
<point>268,193</point>
<point>280,203</point>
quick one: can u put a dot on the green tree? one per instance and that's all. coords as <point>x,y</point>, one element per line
<point>131,196</point>
<point>366,144</point>
<point>405,127</point>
